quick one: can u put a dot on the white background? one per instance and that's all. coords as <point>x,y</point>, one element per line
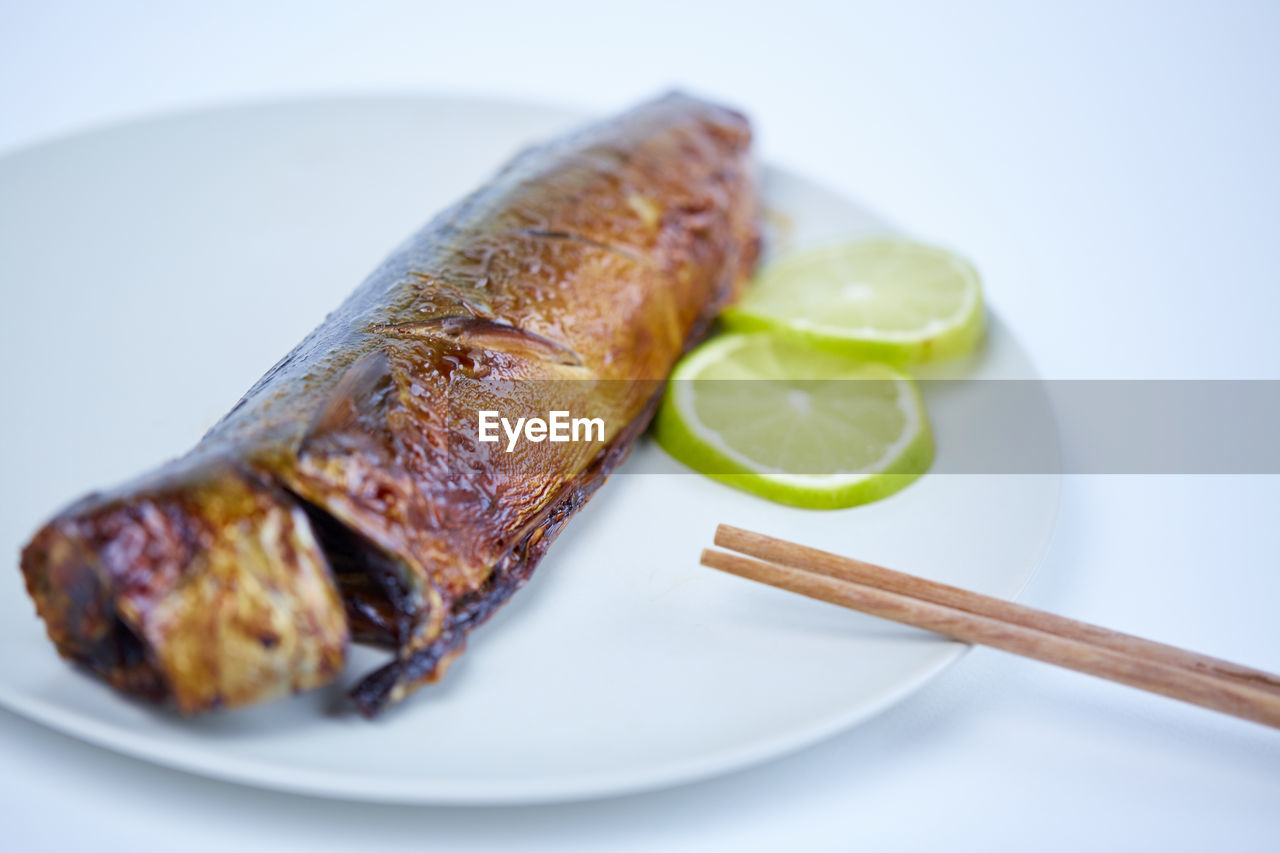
<point>1112,168</point>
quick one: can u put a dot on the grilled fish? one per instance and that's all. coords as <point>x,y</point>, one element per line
<point>349,496</point>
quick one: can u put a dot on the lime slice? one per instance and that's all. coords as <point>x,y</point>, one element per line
<point>795,424</point>
<point>883,299</point>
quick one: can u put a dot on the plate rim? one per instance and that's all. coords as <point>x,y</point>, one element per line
<point>479,793</point>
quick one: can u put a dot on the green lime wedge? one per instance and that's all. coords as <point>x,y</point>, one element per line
<point>794,424</point>
<point>882,299</point>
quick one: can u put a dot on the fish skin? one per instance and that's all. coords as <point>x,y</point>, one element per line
<point>346,495</point>
<point>201,584</point>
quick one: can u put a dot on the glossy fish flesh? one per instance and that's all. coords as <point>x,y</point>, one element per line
<point>348,496</point>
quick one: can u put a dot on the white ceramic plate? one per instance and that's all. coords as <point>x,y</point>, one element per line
<point>153,271</point>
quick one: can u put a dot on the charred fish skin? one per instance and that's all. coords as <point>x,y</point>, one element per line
<point>573,280</point>
<point>201,584</point>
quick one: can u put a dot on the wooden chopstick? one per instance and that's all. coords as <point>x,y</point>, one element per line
<point>846,568</point>
<point>1088,651</point>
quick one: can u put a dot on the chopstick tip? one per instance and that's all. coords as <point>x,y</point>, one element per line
<point>725,532</point>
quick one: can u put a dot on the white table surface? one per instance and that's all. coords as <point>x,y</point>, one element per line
<point>1111,168</point>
